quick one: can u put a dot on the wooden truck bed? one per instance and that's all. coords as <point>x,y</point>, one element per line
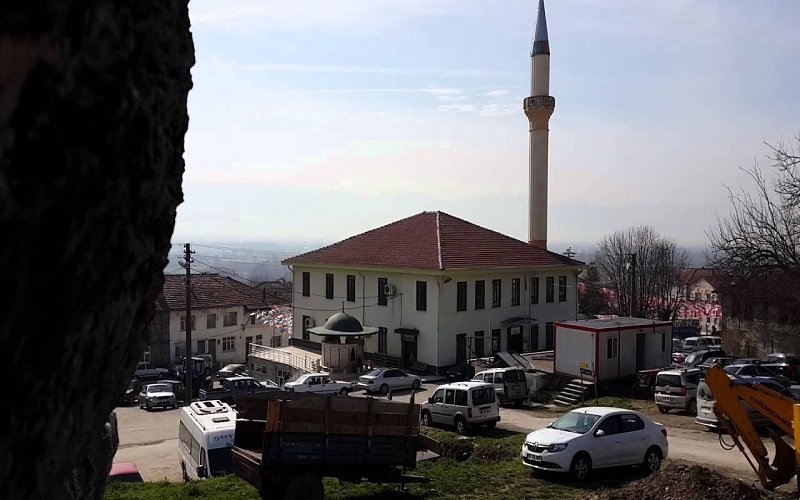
<point>349,438</point>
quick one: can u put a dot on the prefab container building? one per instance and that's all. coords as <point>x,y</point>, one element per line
<point>611,348</point>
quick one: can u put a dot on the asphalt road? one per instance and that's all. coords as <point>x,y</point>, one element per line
<point>150,439</point>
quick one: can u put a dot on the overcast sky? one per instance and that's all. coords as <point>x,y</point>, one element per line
<point>318,119</point>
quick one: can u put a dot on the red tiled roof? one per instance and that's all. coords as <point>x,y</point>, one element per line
<point>210,290</point>
<point>434,240</point>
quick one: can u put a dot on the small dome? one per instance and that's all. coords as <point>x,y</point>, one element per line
<point>342,324</point>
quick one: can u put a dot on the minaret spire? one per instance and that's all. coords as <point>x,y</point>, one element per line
<point>541,45</point>
<point>538,108</point>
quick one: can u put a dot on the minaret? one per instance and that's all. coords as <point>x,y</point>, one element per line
<point>538,108</point>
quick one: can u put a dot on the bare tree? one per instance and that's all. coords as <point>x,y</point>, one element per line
<point>762,232</point>
<point>642,269</point>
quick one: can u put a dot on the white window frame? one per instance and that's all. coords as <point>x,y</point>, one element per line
<point>229,344</point>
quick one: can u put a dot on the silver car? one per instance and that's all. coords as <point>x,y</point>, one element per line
<point>384,380</point>
<point>157,395</point>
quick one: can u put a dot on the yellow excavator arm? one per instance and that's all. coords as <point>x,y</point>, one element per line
<point>728,395</point>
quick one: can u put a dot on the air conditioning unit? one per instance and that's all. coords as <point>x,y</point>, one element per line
<point>390,290</point>
<point>309,322</point>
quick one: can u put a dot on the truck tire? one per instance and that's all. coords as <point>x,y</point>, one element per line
<point>307,486</point>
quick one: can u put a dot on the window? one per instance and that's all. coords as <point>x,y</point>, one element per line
<point>230,319</point>
<point>145,355</point>
<point>534,290</point>
<point>306,322</point>
<point>515,292</point>
<point>422,295</point>
<point>382,282</point>
<point>482,396</point>
<point>275,341</point>
<point>259,339</point>
<point>534,337</point>
<point>497,298</point>
<point>609,426</point>
<point>478,347</point>
<point>562,288</point>
<point>549,289</point>
<point>228,344</point>
<point>549,334</point>
<point>631,423</point>
<point>498,377</point>
<point>449,396</point>
<point>461,296</point>
<point>183,323</point>
<point>495,340</point>
<point>663,341</point>
<point>211,321</point>
<point>438,396</point>
<point>351,288</point>
<point>328,286</point>
<point>480,294</point>
<point>247,342</point>
<point>306,284</point>
<point>461,398</point>
<point>382,340</point>
<point>611,347</point>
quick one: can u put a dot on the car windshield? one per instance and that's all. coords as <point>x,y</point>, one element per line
<point>692,358</point>
<point>230,368</point>
<point>689,343</point>
<point>482,396</point>
<point>515,376</point>
<point>375,373</point>
<point>575,421</point>
<point>671,380</point>
<point>159,388</point>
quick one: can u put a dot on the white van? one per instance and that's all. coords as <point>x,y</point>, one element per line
<point>205,439</point>
<point>463,405</point>
<point>510,384</point>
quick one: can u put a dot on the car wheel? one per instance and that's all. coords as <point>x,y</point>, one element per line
<point>692,408</point>
<point>415,384</point>
<point>518,403</point>
<point>652,459</point>
<point>343,392</point>
<point>461,425</point>
<point>581,467</point>
<point>663,410</point>
<point>384,389</point>
<point>491,425</point>
<point>426,418</point>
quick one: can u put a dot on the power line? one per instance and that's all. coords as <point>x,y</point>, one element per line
<point>250,250</point>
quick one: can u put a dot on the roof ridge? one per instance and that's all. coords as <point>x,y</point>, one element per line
<point>439,240</point>
<point>359,234</point>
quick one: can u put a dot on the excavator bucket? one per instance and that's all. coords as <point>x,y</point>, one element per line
<point>783,465</point>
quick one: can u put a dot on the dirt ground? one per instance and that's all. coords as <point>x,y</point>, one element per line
<point>683,481</point>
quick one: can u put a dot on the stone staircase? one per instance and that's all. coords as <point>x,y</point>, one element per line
<point>571,393</point>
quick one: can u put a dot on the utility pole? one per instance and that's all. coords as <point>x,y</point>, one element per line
<point>188,368</point>
<point>633,284</point>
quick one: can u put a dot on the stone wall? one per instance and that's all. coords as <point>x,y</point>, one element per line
<point>92,120</point>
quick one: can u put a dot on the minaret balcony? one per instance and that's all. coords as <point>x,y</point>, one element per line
<point>539,103</point>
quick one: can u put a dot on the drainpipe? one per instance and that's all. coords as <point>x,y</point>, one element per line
<point>363,299</point>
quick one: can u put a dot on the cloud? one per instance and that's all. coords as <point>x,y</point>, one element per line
<point>458,108</point>
<point>497,94</point>
<point>229,66</point>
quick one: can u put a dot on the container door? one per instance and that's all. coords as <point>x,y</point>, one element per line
<point>639,351</point>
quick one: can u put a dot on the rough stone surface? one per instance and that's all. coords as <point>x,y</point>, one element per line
<point>92,120</point>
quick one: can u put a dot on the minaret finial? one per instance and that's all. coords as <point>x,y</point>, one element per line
<point>541,44</point>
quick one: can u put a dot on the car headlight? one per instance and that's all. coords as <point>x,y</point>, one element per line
<point>557,447</point>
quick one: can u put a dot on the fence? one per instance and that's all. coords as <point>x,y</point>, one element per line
<point>305,363</point>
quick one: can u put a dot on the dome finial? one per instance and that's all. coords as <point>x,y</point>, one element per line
<point>541,44</point>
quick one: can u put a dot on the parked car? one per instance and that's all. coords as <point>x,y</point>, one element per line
<point>510,384</point>
<point>231,370</point>
<point>131,394</point>
<point>157,395</point>
<point>746,361</point>
<point>178,388</point>
<point>320,383</point>
<point>460,372</point>
<point>705,402</point>
<point>146,371</point>
<point>678,358</point>
<point>384,380</point>
<point>697,357</point>
<point>785,364</point>
<point>706,364</point>
<point>676,389</point>
<point>596,438</point>
<point>233,387</point>
<point>463,405</point>
<point>124,472</point>
<point>756,371</point>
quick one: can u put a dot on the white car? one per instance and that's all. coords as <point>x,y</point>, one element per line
<point>595,438</point>
<point>384,380</point>
<point>320,383</point>
<point>160,395</point>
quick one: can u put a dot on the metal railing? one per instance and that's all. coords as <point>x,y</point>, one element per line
<point>277,355</point>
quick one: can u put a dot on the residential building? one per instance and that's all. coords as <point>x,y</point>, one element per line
<point>700,303</point>
<point>224,319</point>
<point>440,289</point>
